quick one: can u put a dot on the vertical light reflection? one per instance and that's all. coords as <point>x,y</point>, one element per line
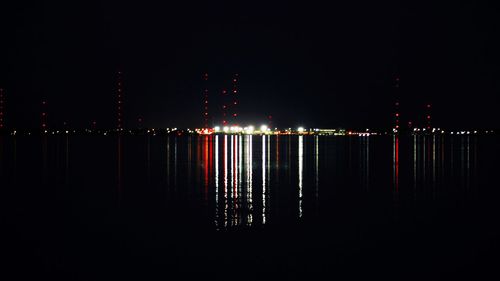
<point>301,170</point>
<point>225,181</point>
<point>190,157</point>
<point>452,152</point>
<point>367,161</point>
<point>424,159</point>
<point>277,158</point>
<point>168,161</point>
<point>249,180</point>
<point>268,159</point>
<point>415,165</point>
<point>232,193</point>
<point>474,157</point>
<point>468,162</point>
<point>175,162</point>
<point>316,166</point>
<point>441,166</point>
<point>217,182</point>
<point>216,165</point>
<point>15,160</point>
<point>45,158</point>
<point>241,200</point>
<point>364,160</point>
<point>119,147</point>
<point>263,179</point>
<point>462,160</point>
<point>148,158</point>
<point>240,159</point>
<point>206,167</point>
<point>66,158</point>
<point>395,163</point>
<point>434,160</point>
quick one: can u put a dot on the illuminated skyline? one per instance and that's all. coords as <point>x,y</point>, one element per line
<point>327,65</point>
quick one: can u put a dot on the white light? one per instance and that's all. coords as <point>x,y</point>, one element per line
<point>225,129</point>
<point>250,129</point>
<point>300,129</point>
<point>263,128</point>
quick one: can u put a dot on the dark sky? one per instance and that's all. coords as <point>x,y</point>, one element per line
<point>312,64</point>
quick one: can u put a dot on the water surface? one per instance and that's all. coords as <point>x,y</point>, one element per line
<point>412,207</point>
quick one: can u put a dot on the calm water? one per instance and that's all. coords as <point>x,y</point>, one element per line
<point>238,207</point>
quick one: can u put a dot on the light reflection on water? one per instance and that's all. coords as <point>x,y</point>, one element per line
<point>256,180</point>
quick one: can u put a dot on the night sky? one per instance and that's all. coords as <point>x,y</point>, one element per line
<point>311,64</point>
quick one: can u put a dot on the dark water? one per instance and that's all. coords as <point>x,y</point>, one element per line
<point>242,207</point>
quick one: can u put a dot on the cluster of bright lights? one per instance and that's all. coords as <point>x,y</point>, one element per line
<point>250,129</point>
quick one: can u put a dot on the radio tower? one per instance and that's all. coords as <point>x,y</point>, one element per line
<point>205,101</point>
<point>1,109</point>
<point>43,117</point>
<point>119,108</point>
<point>224,107</point>
<point>396,107</point>
<point>396,116</point>
<point>235,99</point>
<point>428,116</point>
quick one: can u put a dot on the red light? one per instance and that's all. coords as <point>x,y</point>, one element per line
<point>428,106</point>
<point>235,114</point>
<point>397,114</point>
<point>428,117</point>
